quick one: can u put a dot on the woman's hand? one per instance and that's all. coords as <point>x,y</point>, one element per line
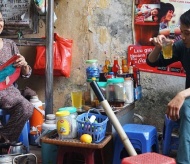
<point>20,62</point>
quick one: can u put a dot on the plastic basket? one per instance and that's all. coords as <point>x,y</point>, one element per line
<point>97,129</point>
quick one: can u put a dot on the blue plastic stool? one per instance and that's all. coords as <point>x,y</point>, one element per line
<point>25,132</point>
<point>24,136</point>
<point>169,141</point>
<point>142,137</point>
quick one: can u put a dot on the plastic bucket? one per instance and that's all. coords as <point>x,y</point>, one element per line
<point>49,153</point>
<point>48,149</point>
<point>37,117</point>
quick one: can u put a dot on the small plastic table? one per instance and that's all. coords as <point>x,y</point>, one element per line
<point>74,145</point>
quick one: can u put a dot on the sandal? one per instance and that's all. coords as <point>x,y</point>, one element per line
<point>4,141</point>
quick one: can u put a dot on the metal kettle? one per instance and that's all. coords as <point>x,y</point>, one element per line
<point>17,148</point>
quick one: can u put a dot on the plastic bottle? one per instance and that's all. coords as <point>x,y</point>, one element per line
<point>92,69</point>
<point>37,117</point>
<point>115,67</point>
<point>129,90</point>
<point>47,126</point>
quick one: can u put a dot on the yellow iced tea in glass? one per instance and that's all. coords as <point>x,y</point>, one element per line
<point>76,98</point>
<point>167,50</point>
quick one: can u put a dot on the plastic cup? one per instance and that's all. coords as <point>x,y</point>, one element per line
<point>167,48</point>
<point>76,97</point>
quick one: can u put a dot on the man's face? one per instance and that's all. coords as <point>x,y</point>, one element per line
<point>1,23</point>
<point>185,35</point>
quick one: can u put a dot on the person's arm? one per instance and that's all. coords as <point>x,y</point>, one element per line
<point>176,103</point>
<point>166,31</point>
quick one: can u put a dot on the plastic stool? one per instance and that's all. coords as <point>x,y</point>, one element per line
<point>25,132</point>
<point>24,136</point>
<point>142,137</point>
<point>148,158</point>
<point>169,142</point>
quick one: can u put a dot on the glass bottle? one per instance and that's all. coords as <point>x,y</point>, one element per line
<point>120,71</point>
<point>105,67</point>
<point>125,68</point>
<point>136,75</point>
<point>115,67</point>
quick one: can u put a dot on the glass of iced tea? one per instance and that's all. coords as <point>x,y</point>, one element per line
<point>76,97</point>
<point>167,48</point>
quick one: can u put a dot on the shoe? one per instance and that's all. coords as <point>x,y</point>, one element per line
<point>4,142</point>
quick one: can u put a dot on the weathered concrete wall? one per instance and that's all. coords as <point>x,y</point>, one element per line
<point>157,90</point>
<point>97,26</point>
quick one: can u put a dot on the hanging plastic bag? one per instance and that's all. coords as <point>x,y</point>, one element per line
<point>62,56</point>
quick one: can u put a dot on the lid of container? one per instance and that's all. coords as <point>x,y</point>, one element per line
<point>115,80</point>
<point>34,99</point>
<point>91,61</point>
<point>70,109</point>
<point>102,84</point>
<point>90,80</point>
<point>62,113</point>
<point>50,116</point>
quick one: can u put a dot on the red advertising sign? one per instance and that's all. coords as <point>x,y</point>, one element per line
<point>137,55</point>
<point>150,18</point>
